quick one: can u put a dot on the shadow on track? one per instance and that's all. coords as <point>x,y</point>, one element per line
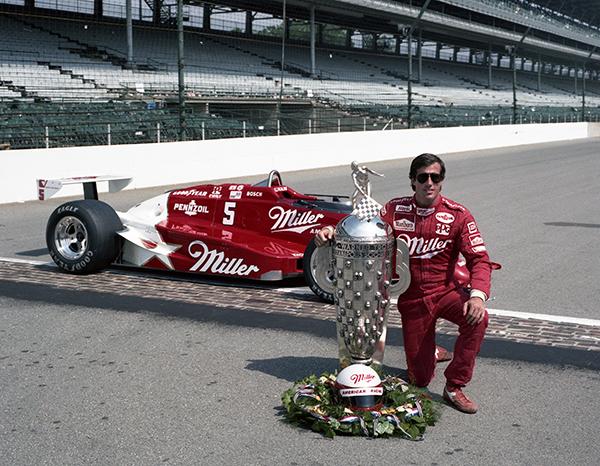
<point>492,347</point>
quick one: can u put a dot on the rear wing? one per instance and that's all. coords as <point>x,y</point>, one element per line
<point>48,188</point>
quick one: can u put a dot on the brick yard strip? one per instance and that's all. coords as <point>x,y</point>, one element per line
<point>581,334</point>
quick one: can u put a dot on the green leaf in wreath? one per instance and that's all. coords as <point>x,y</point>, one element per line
<point>384,427</point>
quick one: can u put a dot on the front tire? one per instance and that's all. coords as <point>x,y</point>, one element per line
<point>81,236</point>
<point>318,271</point>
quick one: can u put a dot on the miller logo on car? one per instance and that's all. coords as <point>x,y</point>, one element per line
<point>205,228</point>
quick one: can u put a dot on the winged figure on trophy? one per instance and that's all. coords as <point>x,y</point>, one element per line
<point>361,274</point>
<point>365,207</point>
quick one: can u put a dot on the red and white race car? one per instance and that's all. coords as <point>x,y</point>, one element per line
<point>262,232</point>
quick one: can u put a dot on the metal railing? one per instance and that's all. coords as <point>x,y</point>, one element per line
<point>26,127</point>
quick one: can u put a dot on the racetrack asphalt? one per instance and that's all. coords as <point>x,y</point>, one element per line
<point>106,371</point>
<point>537,206</point>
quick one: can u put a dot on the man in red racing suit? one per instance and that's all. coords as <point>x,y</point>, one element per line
<point>437,230</point>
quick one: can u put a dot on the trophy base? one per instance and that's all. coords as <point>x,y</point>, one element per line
<point>366,362</point>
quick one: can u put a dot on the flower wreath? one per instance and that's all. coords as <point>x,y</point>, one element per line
<point>314,402</point>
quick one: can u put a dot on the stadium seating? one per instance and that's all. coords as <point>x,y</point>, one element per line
<point>81,68</point>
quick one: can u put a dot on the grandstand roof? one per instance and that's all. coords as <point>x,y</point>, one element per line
<point>387,16</point>
<point>585,10</point>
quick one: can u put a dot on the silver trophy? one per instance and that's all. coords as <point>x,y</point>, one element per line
<point>358,264</point>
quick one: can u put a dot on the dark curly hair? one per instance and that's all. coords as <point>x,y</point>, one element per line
<point>425,160</point>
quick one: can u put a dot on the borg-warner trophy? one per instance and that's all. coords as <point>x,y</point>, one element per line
<point>358,266</point>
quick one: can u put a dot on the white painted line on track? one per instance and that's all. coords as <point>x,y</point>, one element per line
<point>549,317</point>
<point>497,312</point>
<point>305,290</point>
<point>298,290</point>
<point>25,261</point>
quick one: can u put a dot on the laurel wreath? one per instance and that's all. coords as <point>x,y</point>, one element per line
<point>314,402</point>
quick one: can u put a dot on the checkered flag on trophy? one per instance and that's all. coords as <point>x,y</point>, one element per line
<point>366,209</point>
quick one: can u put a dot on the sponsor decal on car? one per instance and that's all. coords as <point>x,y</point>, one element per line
<point>235,194</point>
<point>278,249</point>
<point>211,260</point>
<point>475,239</point>
<point>403,208</point>
<point>421,248</point>
<point>190,192</point>
<point>236,187</point>
<point>148,244</point>
<point>216,192</point>
<point>425,212</point>
<point>442,229</point>
<point>254,193</point>
<point>472,227</point>
<point>293,220</point>
<point>279,189</point>
<point>191,208</point>
<point>67,208</point>
<point>444,217</point>
<point>479,249</point>
<point>404,224</point>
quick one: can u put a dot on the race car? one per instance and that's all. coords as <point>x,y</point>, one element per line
<point>262,232</point>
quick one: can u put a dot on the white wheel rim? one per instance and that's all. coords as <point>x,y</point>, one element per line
<point>321,268</point>
<point>70,238</point>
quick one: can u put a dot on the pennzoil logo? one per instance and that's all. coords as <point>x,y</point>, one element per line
<point>293,220</point>
<point>191,208</point>
<point>444,217</point>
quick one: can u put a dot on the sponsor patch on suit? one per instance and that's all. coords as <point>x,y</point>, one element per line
<point>442,229</point>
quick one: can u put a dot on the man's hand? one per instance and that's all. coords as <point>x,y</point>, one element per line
<point>474,310</point>
<point>324,235</point>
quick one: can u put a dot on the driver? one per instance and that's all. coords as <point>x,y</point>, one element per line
<point>437,230</point>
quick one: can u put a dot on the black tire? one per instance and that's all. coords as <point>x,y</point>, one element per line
<point>309,273</point>
<point>81,236</point>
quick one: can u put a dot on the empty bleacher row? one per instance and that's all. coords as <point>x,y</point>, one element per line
<point>78,60</point>
<point>80,69</point>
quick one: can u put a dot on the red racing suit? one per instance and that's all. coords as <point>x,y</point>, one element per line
<point>436,236</point>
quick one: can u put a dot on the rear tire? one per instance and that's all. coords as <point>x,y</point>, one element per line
<point>81,236</point>
<point>316,258</point>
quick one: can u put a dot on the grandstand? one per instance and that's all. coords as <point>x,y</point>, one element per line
<point>84,73</point>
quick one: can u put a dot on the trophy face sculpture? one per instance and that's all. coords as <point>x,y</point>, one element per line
<point>361,262</point>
